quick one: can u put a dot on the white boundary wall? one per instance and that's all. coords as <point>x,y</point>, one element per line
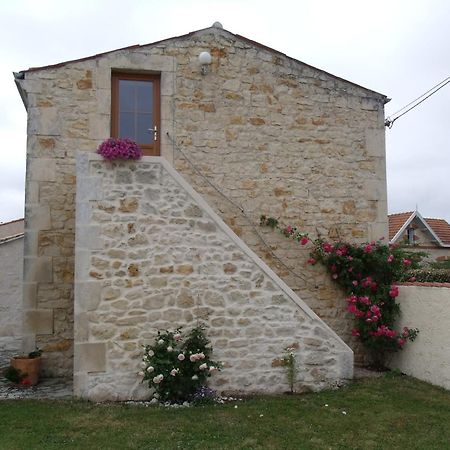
<point>428,357</point>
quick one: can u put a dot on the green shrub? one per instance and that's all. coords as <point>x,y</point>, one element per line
<point>176,366</point>
<point>429,275</point>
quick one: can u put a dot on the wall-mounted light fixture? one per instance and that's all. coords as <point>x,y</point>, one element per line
<point>205,60</point>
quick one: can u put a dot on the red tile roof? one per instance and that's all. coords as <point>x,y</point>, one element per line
<point>440,227</point>
<point>396,221</point>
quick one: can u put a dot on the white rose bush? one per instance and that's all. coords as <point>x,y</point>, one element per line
<point>176,366</point>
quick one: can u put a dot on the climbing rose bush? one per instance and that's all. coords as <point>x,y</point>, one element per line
<point>177,365</point>
<point>367,273</point>
<point>115,148</point>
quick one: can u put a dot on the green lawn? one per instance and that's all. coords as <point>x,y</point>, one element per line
<point>393,412</point>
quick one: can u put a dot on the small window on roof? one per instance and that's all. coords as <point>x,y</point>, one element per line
<point>410,236</point>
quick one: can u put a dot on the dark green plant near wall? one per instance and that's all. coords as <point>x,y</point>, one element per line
<point>367,273</point>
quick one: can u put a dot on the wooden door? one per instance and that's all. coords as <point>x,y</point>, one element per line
<point>136,110</point>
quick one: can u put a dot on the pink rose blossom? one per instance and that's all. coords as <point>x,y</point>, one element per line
<point>288,230</point>
<point>393,292</point>
<point>304,240</point>
<point>365,300</point>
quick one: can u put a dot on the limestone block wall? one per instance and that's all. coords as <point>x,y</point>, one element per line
<point>151,254</point>
<point>428,357</point>
<point>275,135</point>
<point>11,260</point>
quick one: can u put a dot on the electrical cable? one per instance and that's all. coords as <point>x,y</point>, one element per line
<point>389,123</point>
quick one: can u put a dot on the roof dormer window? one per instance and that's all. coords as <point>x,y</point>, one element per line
<point>411,236</point>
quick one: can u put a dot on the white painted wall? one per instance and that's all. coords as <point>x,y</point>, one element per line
<point>428,357</point>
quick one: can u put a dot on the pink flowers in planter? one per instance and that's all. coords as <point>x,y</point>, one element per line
<point>115,148</point>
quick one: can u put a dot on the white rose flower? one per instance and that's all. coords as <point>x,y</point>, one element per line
<point>150,369</point>
<point>141,374</point>
<point>151,353</point>
<point>170,349</point>
<point>177,337</point>
<point>173,372</point>
<point>195,377</point>
<point>181,357</point>
<point>193,358</point>
<point>143,364</point>
<point>161,341</point>
<point>158,378</point>
<point>212,369</point>
<point>203,366</point>
<point>201,355</point>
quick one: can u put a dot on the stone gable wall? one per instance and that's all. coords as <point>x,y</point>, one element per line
<point>275,135</point>
<point>150,254</point>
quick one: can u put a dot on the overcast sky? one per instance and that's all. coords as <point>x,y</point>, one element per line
<point>399,48</point>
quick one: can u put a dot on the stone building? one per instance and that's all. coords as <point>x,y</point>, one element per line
<point>253,132</point>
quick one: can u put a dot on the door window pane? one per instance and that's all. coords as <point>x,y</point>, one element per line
<point>127,128</point>
<point>126,95</point>
<point>136,110</point>
<point>145,134</point>
<point>144,96</point>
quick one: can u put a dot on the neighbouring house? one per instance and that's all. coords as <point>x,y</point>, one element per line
<point>11,260</point>
<point>116,250</point>
<point>423,234</point>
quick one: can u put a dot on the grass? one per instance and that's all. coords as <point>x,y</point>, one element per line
<point>393,412</point>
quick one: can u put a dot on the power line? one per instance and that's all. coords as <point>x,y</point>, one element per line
<point>390,122</point>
